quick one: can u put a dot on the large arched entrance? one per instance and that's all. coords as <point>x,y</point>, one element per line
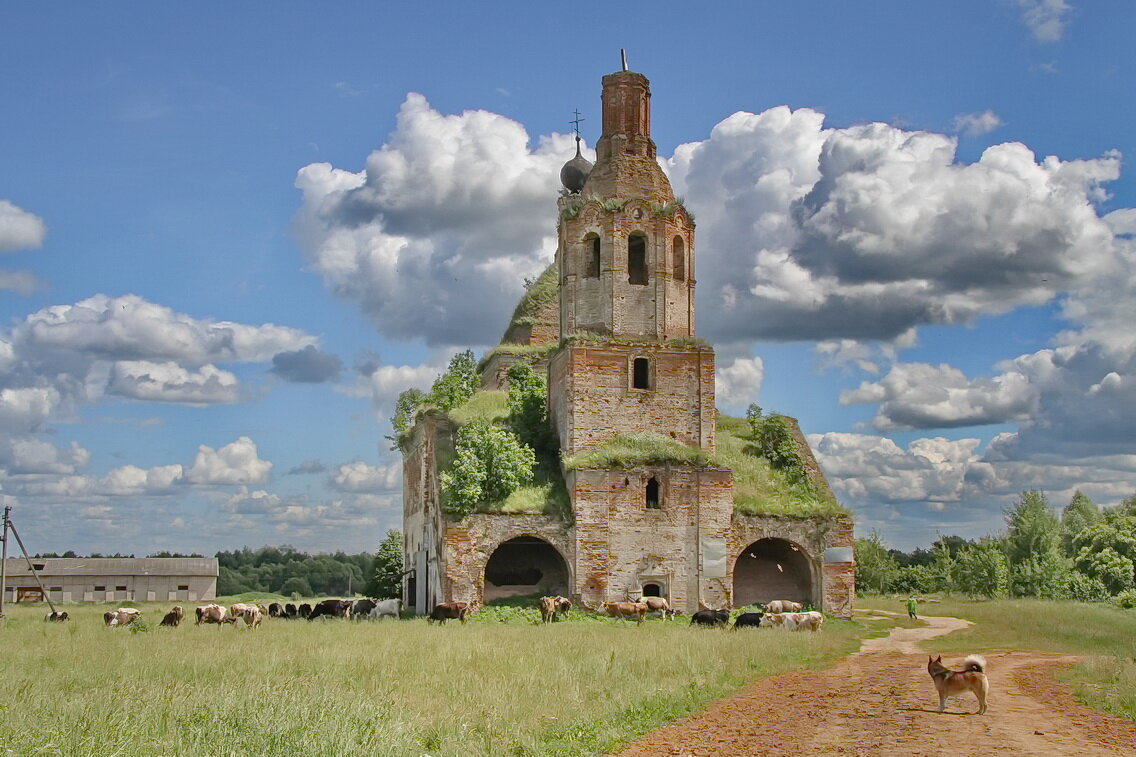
<point>525,565</point>
<point>772,569</point>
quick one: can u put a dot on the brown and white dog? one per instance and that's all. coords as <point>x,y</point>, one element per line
<point>951,683</point>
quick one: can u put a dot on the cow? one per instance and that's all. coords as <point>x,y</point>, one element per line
<point>550,607</point>
<point>214,614</point>
<point>331,608</point>
<point>710,618</point>
<point>276,610</point>
<point>238,610</point>
<point>123,616</point>
<point>449,611</point>
<point>794,621</point>
<point>659,605</point>
<point>386,608</point>
<point>252,616</point>
<point>290,611</point>
<point>361,608</point>
<point>305,610</point>
<point>172,619</point>
<point>626,610</point>
<point>56,616</point>
<point>784,605</point>
<point>748,620</point>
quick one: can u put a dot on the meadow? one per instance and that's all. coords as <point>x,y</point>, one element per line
<point>501,685</point>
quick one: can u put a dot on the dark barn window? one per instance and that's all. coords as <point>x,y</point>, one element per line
<point>640,373</point>
<point>637,259</point>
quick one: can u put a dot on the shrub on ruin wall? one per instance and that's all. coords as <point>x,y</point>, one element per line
<point>489,465</point>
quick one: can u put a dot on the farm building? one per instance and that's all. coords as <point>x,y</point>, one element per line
<point>112,579</point>
<point>657,493</point>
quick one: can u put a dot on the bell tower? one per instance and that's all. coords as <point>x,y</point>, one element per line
<point>625,254</point>
<point>626,247</point>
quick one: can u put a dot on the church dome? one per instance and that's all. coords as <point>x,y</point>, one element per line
<point>575,172</point>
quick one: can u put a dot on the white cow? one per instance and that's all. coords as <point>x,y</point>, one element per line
<point>784,605</point>
<point>793,621</point>
<point>386,608</point>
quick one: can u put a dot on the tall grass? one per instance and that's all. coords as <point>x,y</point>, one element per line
<point>387,688</point>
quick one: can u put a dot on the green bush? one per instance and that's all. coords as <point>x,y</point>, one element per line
<point>489,464</point>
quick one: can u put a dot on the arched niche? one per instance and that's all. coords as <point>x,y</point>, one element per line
<point>525,565</point>
<point>771,569</point>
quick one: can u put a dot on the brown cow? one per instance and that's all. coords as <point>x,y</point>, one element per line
<point>626,610</point>
<point>449,611</point>
<point>794,621</point>
<point>252,616</point>
<point>550,607</point>
<point>123,616</point>
<point>784,605</point>
<point>173,617</point>
<point>659,605</point>
<point>214,614</point>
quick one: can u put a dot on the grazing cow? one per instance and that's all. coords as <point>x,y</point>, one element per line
<point>794,621</point>
<point>331,608</point>
<point>748,620</point>
<point>659,605</point>
<point>173,618</point>
<point>449,611</point>
<point>276,610</point>
<point>385,608</point>
<point>238,610</point>
<point>626,610</point>
<point>305,610</point>
<point>252,616</point>
<point>784,605</point>
<point>56,616</point>
<point>361,608</point>
<point>123,616</point>
<point>290,611</point>
<point>550,607</point>
<point>710,618</point>
<point>214,614</point>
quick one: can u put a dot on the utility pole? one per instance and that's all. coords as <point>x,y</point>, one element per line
<point>4,559</point>
<point>10,526</point>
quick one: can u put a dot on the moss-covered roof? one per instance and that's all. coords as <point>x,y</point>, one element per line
<point>644,448</point>
<point>543,293</point>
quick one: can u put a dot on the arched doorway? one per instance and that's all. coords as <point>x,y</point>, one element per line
<point>525,565</point>
<point>772,569</point>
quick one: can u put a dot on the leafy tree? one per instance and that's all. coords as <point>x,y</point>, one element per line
<point>489,465</point>
<point>876,569</point>
<point>1084,588</point>
<point>386,575</point>
<point>405,411</point>
<point>981,570</point>
<point>296,586</point>
<point>772,438</point>
<point>458,383</point>
<point>1080,513</point>
<point>528,408</point>
<point>1033,548</point>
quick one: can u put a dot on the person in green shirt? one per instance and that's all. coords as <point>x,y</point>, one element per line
<point>911,607</point>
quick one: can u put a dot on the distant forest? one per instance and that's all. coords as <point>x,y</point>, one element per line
<point>283,570</point>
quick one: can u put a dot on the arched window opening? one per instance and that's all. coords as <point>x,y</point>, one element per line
<point>641,373</point>
<point>525,565</point>
<point>637,259</point>
<point>771,569</point>
<point>652,590</point>
<point>679,259</point>
<point>653,502</point>
<point>592,270</point>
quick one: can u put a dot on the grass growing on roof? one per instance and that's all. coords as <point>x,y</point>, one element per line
<point>542,293</point>
<point>644,448</point>
<point>760,490</point>
<point>486,404</point>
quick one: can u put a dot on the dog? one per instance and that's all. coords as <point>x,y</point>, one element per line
<point>951,683</point>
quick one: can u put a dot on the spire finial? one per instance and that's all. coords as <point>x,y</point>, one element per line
<point>623,58</point>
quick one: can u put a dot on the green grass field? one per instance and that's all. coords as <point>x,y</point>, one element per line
<point>1104,634</point>
<point>501,685</point>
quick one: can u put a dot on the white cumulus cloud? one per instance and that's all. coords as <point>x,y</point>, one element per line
<point>235,463</point>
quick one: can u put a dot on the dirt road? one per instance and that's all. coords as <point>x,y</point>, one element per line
<point>880,701</point>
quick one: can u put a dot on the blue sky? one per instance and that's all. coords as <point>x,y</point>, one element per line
<point>229,236</point>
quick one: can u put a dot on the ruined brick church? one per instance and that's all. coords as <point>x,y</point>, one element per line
<point>622,357</point>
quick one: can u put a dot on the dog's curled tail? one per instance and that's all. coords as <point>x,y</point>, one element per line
<point>975,663</point>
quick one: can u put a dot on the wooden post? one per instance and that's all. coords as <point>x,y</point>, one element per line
<point>4,559</point>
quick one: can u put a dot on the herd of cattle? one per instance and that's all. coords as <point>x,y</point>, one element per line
<point>779,613</point>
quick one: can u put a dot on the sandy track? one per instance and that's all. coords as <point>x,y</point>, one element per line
<point>880,701</point>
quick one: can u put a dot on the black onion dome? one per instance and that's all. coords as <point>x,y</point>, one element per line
<point>575,172</point>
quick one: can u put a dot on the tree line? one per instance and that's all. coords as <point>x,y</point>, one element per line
<point>1088,553</point>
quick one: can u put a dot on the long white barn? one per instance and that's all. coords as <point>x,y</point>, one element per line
<point>112,579</point>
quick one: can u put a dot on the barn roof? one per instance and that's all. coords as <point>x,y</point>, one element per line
<point>115,566</point>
